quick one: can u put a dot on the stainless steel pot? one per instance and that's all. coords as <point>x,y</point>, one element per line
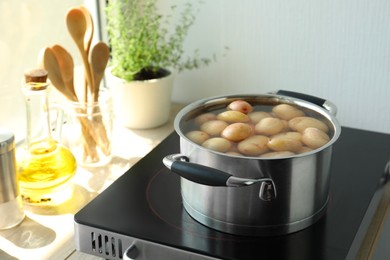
<point>250,195</point>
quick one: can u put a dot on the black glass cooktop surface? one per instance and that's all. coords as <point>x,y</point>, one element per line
<point>145,203</point>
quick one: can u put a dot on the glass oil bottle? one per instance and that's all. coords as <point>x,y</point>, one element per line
<point>45,167</point>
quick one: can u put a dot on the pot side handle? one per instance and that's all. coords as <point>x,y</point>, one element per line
<point>315,100</point>
<point>195,172</point>
<point>213,177</point>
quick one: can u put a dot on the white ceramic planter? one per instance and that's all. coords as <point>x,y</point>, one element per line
<point>141,104</point>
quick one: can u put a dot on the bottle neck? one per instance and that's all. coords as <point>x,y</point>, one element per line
<point>37,113</point>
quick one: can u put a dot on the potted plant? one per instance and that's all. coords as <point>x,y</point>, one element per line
<point>146,51</point>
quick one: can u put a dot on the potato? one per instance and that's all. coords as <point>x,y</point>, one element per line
<point>254,145</point>
<point>218,144</point>
<point>269,126</point>
<point>301,123</point>
<point>292,135</point>
<point>305,149</point>
<point>286,127</point>
<point>241,131</point>
<point>280,143</point>
<point>197,136</point>
<point>213,127</point>
<point>233,117</point>
<point>203,118</point>
<point>233,153</point>
<point>287,112</point>
<point>258,115</point>
<point>233,148</point>
<point>253,127</point>
<point>241,106</point>
<point>277,154</point>
<point>237,132</point>
<point>314,138</point>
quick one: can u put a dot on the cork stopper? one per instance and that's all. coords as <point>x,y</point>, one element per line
<point>36,79</point>
<point>35,75</point>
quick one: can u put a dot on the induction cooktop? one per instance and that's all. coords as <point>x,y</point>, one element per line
<point>141,216</point>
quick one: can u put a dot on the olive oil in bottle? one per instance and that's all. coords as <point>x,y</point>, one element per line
<point>45,167</point>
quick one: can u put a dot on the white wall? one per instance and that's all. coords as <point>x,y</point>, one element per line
<point>26,27</point>
<point>335,49</point>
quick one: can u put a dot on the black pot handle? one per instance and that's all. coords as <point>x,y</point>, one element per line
<point>312,99</point>
<point>205,175</point>
<point>195,172</point>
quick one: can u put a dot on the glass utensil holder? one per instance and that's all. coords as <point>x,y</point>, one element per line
<point>88,130</point>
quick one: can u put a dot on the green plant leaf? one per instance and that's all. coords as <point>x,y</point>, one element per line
<point>140,38</point>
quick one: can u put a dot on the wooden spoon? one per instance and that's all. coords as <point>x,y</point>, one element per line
<point>52,66</point>
<point>89,30</point>
<point>87,43</point>
<point>66,64</point>
<point>77,27</point>
<point>99,59</point>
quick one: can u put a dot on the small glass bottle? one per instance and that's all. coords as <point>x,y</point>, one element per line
<point>45,166</point>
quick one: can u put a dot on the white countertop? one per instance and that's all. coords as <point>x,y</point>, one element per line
<point>48,233</point>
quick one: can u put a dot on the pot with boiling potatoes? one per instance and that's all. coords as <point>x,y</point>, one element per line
<point>255,164</point>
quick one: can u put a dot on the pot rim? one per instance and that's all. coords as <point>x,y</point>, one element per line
<point>224,99</point>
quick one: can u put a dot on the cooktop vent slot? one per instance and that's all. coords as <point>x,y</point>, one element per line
<point>106,246</point>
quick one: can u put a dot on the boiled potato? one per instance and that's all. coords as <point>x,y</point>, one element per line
<point>233,153</point>
<point>269,126</point>
<point>286,127</point>
<point>280,143</point>
<point>233,148</point>
<point>218,144</point>
<point>213,127</point>
<point>237,132</point>
<point>203,118</point>
<point>241,106</point>
<point>305,149</point>
<point>292,135</point>
<point>277,154</point>
<point>301,123</point>
<point>256,116</point>
<point>314,138</point>
<point>233,117</point>
<point>254,145</point>
<point>253,127</point>
<point>287,112</point>
<point>279,131</point>
<point>197,136</point>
